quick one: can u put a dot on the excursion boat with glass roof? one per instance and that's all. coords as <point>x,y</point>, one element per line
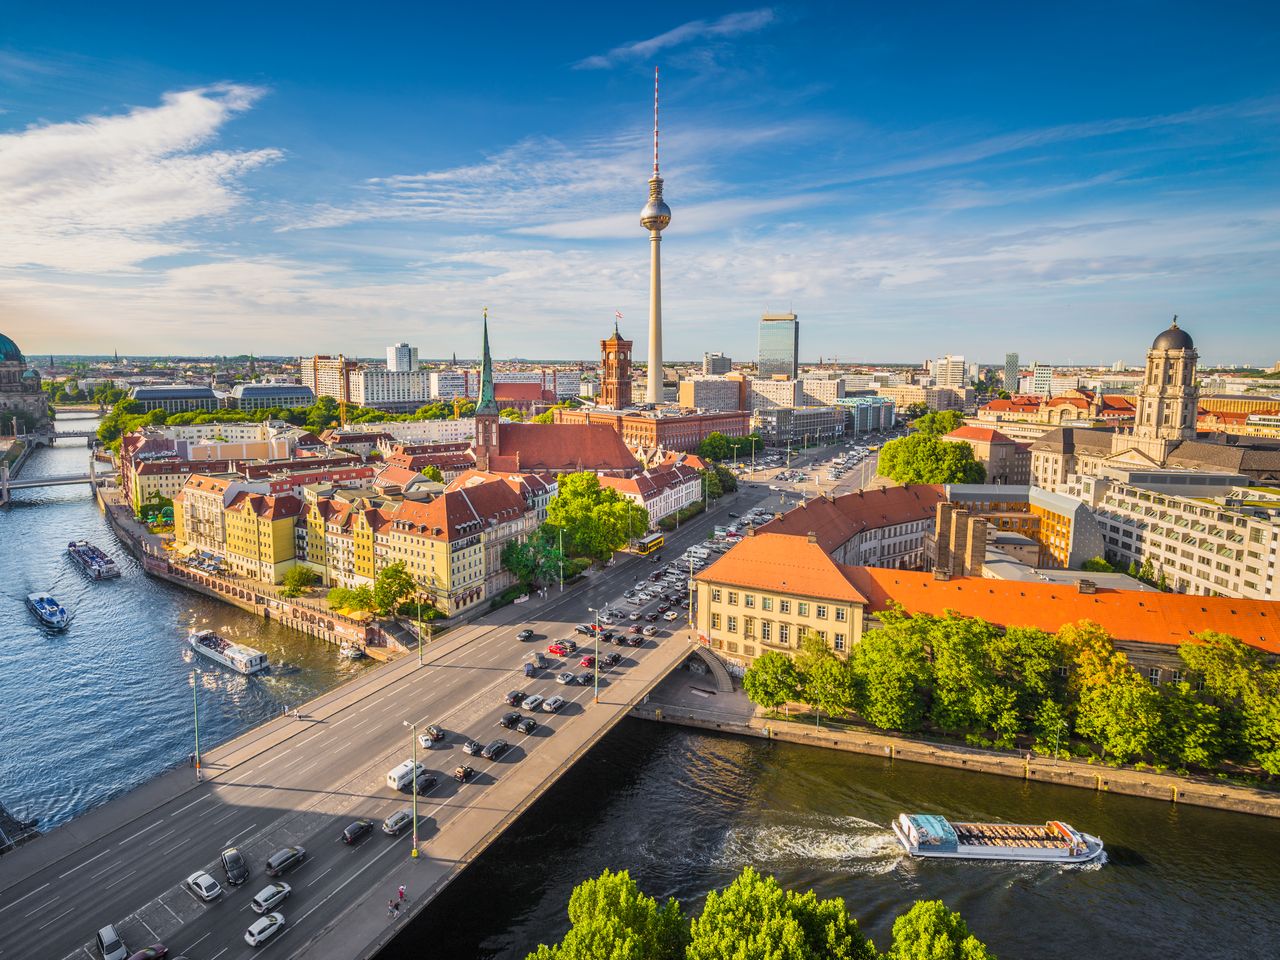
<point>96,563</point>
<point>238,657</point>
<point>50,611</point>
<point>927,835</point>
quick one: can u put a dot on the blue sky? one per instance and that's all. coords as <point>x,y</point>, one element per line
<point>912,180</point>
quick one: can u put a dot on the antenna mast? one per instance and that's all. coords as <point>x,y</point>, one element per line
<point>655,122</point>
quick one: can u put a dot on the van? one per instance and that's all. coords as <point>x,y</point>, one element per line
<point>529,670</point>
<point>285,859</point>
<point>397,777</point>
<point>699,552</point>
<point>110,945</point>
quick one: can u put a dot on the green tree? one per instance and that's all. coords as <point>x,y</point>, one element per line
<point>715,446</point>
<point>393,584</point>
<point>756,919</point>
<point>1052,727</point>
<point>728,480</point>
<point>1245,684</point>
<point>1147,573</point>
<point>359,598</point>
<point>938,423</point>
<point>772,680</point>
<point>829,687</point>
<point>923,458</point>
<point>1116,708</point>
<point>547,417</point>
<point>711,483</point>
<point>965,690</point>
<point>296,581</point>
<point>914,411</point>
<point>596,520</point>
<point>432,472</point>
<point>610,919</point>
<point>512,414</point>
<point>891,673</point>
<point>1097,565</point>
<point>535,560</point>
<point>1191,732</point>
<point>929,931</point>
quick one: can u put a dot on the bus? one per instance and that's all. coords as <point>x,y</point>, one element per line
<point>649,544</point>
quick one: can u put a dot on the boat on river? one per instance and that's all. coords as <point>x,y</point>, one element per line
<point>237,656</point>
<point>50,611</point>
<point>349,651</point>
<point>96,563</point>
<point>927,835</point>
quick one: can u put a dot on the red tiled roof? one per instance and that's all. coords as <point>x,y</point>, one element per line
<point>839,520</point>
<point>561,448</point>
<point>459,513</point>
<point>267,507</point>
<point>782,564</point>
<point>978,435</point>
<point>527,392</point>
<point>1167,618</point>
<point>1010,406</point>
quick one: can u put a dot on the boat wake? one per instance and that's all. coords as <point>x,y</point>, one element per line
<point>849,845</point>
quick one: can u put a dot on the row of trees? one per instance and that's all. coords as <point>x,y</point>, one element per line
<point>753,918</point>
<point>716,446</point>
<point>924,457</point>
<point>391,586</point>
<point>966,677</point>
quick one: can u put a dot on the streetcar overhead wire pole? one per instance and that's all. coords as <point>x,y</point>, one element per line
<point>195,709</point>
<point>413,741</point>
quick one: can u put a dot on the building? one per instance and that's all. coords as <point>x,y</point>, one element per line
<point>394,391</point>
<point>820,391</point>
<point>716,364</point>
<point>1003,459</point>
<point>655,218</point>
<point>175,398</point>
<point>1042,379</point>
<point>1075,406</point>
<point>260,535</point>
<point>667,428</point>
<point>1011,371</point>
<point>24,406</point>
<point>779,346</point>
<point>1064,528</point>
<point>615,371</point>
<point>402,358</point>
<point>462,430</point>
<point>905,396</point>
<point>714,393</point>
<point>662,491</point>
<point>949,371</point>
<point>776,392</point>
<point>328,376</point>
<point>867,414</point>
<point>455,384</point>
<point>264,396</point>
<point>796,426</point>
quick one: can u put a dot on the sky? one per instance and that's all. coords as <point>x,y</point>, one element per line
<point>911,179</point>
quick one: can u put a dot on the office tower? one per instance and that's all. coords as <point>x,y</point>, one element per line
<point>1011,372</point>
<point>779,345</point>
<point>402,358</point>
<point>715,364</point>
<point>949,371</point>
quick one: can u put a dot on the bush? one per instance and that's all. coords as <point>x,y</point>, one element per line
<point>508,596</point>
<point>685,514</point>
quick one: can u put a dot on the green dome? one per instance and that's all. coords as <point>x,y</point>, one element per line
<point>9,350</point>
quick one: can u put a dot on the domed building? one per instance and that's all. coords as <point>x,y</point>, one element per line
<point>24,407</point>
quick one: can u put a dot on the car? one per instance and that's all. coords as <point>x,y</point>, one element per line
<point>424,741</point>
<point>434,732</point>
<point>670,615</point>
<point>558,650</point>
<point>554,704</point>
<point>634,616</point>
<point>634,630</point>
<point>649,631</point>
<point>584,679</point>
<point>357,831</point>
<point>472,747</point>
<point>263,929</point>
<point>235,866</point>
<point>587,661</point>
<point>527,725</point>
<point>514,698</point>
<point>530,671</point>
<point>537,659</point>
<point>613,659</point>
<point>463,773</point>
<point>656,558</point>
<point>608,636</point>
<point>203,886</point>
<point>565,677</point>
<point>524,635</point>
<point>733,515</point>
<point>494,749</point>
<point>509,720</point>
<point>425,781</point>
<point>110,946</point>
<point>534,702</point>
<point>157,951</point>
<point>664,607</point>
<point>285,859</point>
<point>651,617</point>
<point>394,824</point>
<point>270,897</point>
<point>585,629</point>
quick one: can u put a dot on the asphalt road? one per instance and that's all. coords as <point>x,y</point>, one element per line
<point>305,779</point>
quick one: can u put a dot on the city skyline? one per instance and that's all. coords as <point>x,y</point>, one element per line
<point>232,197</point>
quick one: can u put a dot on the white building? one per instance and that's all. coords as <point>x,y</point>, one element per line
<point>402,358</point>
<point>400,391</point>
<point>448,384</point>
<point>949,371</point>
<point>421,431</point>
<point>818,392</point>
<point>662,491</point>
<point>767,394</point>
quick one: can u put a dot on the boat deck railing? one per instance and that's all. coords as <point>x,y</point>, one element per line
<point>1008,835</point>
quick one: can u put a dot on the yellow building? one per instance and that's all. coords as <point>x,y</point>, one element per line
<point>768,591</point>
<point>260,535</point>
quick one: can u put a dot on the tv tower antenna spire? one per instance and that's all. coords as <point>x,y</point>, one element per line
<point>654,218</point>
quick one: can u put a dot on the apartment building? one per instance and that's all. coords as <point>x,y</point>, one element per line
<point>662,491</point>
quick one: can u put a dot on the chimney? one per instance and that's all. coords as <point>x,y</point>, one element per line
<point>942,536</point>
<point>940,574</point>
<point>813,537</point>
<point>976,547</point>
<point>956,540</point>
<point>1086,586</point>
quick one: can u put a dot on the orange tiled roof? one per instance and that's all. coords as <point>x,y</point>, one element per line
<point>782,564</point>
<point>561,448</point>
<point>265,506</point>
<point>838,521</point>
<point>978,435</point>
<point>1166,618</point>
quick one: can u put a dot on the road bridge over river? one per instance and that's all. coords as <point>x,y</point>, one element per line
<point>301,780</point>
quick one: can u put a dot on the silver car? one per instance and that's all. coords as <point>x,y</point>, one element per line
<point>203,886</point>
<point>532,703</point>
<point>397,822</point>
<point>554,704</point>
<point>270,897</point>
<point>263,929</point>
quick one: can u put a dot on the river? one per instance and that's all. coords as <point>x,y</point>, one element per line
<point>94,711</point>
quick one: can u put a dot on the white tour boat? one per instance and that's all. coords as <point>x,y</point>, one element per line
<point>50,611</point>
<point>927,835</point>
<point>96,563</point>
<point>238,657</point>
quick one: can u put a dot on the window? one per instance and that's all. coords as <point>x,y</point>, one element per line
<point>784,633</point>
<point>748,599</point>
<point>1062,671</point>
<point>766,603</point>
<point>1177,676</point>
<point>715,595</point>
<point>766,630</point>
<point>842,614</point>
<point>731,624</point>
<point>821,611</point>
<point>1153,676</point>
<point>733,598</point>
<point>715,621</point>
<point>802,608</point>
<point>784,606</point>
<point>839,641</point>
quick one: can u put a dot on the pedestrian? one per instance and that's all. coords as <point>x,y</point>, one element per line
<point>402,893</point>
<point>391,908</point>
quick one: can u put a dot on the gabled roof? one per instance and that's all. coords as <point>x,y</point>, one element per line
<point>837,521</point>
<point>779,563</point>
<point>1127,615</point>
<point>977,435</point>
<point>265,506</point>
<point>561,448</point>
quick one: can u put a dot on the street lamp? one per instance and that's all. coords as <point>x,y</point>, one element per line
<point>413,740</point>
<point>596,658</point>
<point>195,709</point>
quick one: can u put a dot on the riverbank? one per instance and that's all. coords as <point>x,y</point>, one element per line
<point>734,713</point>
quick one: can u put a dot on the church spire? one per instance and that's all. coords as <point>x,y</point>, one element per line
<point>487,403</point>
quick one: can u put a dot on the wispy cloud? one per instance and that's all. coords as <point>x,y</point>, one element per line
<point>105,193</point>
<point>730,25</point>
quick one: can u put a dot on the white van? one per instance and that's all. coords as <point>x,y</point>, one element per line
<point>397,777</point>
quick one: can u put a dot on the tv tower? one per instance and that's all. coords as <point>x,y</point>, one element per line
<point>654,217</point>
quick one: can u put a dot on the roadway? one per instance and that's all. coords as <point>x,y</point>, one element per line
<point>300,781</point>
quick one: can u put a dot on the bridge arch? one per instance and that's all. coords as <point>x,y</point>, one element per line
<point>715,667</point>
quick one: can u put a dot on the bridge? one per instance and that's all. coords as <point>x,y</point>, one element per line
<point>65,480</point>
<point>300,780</point>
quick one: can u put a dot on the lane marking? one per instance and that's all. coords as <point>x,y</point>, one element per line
<point>232,841</point>
<point>167,833</point>
<point>106,871</point>
<point>226,816</point>
<point>219,953</point>
<point>83,865</point>
<point>41,907</point>
<point>181,843</point>
<point>139,833</point>
<point>205,937</point>
<point>53,920</point>
<point>154,935</point>
<point>191,804</point>
<point>170,909</point>
<point>120,879</point>
<point>314,879</point>
<point>338,889</point>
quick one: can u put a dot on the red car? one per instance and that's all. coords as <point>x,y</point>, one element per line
<point>558,650</point>
<point>634,629</point>
<point>587,661</point>
<point>155,952</point>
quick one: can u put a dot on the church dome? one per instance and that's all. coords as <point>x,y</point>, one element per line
<point>1175,338</point>
<point>9,350</point>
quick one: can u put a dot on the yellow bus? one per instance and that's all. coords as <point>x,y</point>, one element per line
<point>649,544</point>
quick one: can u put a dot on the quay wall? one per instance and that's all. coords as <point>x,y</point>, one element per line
<point>1068,773</point>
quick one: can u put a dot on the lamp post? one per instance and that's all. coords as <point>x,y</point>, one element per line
<point>562,559</point>
<point>413,741</point>
<point>596,658</point>
<point>419,630</point>
<point>195,709</point>
<point>1062,725</point>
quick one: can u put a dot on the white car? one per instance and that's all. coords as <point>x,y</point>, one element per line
<point>263,929</point>
<point>270,897</point>
<point>565,678</point>
<point>670,615</point>
<point>552,705</point>
<point>425,741</point>
<point>532,703</point>
<point>203,886</point>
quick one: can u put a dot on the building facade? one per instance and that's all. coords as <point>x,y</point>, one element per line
<point>776,392</point>
<point>779,346</point>
<point>402,358</point>
<point>867,414</point>
<point>819,392</point>
<point>662,490</point>
<point>264,396</point>
<point>24,406</point>
<point>1011,372</point>
<point>716,364</point>
<point>615,372</point>
<point>175,398</point>
<point>1003,460</point>
<point>714,393</point>
<point>796,426</point>
<point>667,427</point>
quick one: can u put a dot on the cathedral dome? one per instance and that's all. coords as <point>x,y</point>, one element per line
<point>9,350</point>
<point>1175,338</point>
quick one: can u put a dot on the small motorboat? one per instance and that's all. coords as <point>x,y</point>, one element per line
<point>349,651</point>
<point>50,611</point>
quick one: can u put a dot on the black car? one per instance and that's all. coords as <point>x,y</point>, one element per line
<point>524,635</point>
<point>656,558</point>
<point>425,784</point>
<point>357,831</point>
<point>651,617</point>
<point>494,749</point>
<point>584,679</point>
<point>613,659</point>
<point>235,866</point>
<point>585,629</point>
<point>472,747</point>
<point>527,725</point>
<point>509,720</point>
<point>515,698</point>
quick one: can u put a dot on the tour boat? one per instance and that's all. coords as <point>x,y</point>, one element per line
<point>238,657</point>
<point>927,835</point>
<point>96,563</point>
<point>349,651</point>
<point>49,610</point>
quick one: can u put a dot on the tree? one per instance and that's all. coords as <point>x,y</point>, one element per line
<point>1116,708</point>
<point>1097,565</point>
<point>715,446</point>
<point>432,472</point>
<point>596,520</point>
<point>711,484</point>
<point>610,919</point>
<point>1246,686</point>
<point>965,690</point>
<point>772,680</point>
<point>1191,732</point>
<point>828,686</point>
<point>938,423</point>
<point>360,598</point>
<point>547,417</point>
<point>535,560</point>
<point>929,931</point>
<point>393,584</point>
<point>891,673</point>
<point>756,919</point>
<point>511,413</point>
<point>296,581</point>
<point>923,458</point>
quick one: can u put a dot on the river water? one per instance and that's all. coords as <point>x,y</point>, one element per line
<point>93,711</point>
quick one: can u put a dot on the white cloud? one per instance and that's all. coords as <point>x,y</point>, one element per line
<point>103,193</point>
<point>730,25</point>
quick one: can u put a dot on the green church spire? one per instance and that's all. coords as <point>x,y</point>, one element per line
<point>487,403</point>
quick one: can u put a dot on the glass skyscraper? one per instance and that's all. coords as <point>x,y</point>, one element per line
<point>779,345</point>
<point>1011,371</point>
